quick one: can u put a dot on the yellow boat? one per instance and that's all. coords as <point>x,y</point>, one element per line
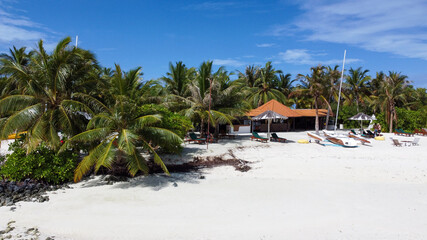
<point>15,135</point>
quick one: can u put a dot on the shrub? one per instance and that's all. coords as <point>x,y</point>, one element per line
<point>177,123</point>
<point>42,164</point>
<point>407,120</point>
<point>172,121</point>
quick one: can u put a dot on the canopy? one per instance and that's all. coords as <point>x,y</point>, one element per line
<point>269,115</point>
<point>361,117</point>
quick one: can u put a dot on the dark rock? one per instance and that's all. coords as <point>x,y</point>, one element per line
<point>175,184</point>
<point>202,177</point>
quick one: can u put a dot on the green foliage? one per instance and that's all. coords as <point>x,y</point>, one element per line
<point>42,164</point>
<point>407,120</point>
<point>347,112</point>
<point>176,123</point>
<point>172,121</point>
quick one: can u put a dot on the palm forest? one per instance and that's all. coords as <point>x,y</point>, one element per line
<point>75,117</point>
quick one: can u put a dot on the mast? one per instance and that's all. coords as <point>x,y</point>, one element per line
<point>339,93</point>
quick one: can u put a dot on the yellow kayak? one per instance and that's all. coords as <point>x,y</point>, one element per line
<point>15,135</point>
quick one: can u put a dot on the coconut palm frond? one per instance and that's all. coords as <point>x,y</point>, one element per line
<point>135,163</point>
<point>21,120</point>
<point>157,159</point>
<point>147,120</point>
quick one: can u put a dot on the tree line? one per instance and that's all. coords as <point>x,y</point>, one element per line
<point>66,100</point>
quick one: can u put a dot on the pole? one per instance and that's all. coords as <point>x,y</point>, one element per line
<point>339,93</point>
<point>210,100</point>
<point>77,40</point>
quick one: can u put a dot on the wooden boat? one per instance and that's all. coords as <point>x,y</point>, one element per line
<point>363,141</point>
<point>315,136</point>
<point>342,141</point>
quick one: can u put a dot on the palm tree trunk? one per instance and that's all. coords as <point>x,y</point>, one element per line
<point>392,112</point>
<point>317,116</point>
<point>327,118</point>
<point>201,127</point>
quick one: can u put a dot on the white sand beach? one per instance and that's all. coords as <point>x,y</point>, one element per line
<point>293,191</point>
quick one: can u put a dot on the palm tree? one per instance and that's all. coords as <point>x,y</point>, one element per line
<point>266,87</point>
<point>314,85</point>
<point>249,77</point>
<point>178,78</point>
<point>356,86</point>
<point>224,105</point>
<point>52,96</point>
<point>391,92</point>
<point>15,68</point>
<point>286,84</point>
<point>331,91</point>
<point>121,134</point>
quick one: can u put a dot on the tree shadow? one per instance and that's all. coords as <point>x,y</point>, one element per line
<point>157,182</point>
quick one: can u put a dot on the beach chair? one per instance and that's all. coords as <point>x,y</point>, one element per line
<point>352,131</point>
<point>367,135</point>
<point>194,138</point>
<point>371,133</point>
<point>398,132</point>
<point>256,136</point>
<point>415,142</point>
<point>408,134</point>
<point>276,138</point>
<point>212,139</point>
<point>396,142</point>
<point>420,132</point>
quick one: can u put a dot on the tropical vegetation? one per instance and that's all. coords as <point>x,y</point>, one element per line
<point>117,122</point>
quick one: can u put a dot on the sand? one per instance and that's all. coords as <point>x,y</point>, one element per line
<point>293,191</point>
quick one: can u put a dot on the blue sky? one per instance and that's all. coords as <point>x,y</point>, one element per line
<point>379,35</point>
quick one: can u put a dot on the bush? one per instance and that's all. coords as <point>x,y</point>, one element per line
<point>42,164</point>
<point>174,122</point>
<point>407,120</point>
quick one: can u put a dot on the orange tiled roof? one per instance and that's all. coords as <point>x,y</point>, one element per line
<point>281,109</point>
<point>274,106</point>
<point>312,112</point>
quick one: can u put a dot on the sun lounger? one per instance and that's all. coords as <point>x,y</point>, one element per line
<point>367,135</point>
<point>256,136</point>
<point>276,138</point>
<point>352,131</point>
<point>396,142</point>
<point>194,138</point>
<point>212,139</point>
<point>403,133</point>
<point>420,132</point>
<point>415,142</point>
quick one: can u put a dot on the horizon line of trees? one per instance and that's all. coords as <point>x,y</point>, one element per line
<point>114,114</point>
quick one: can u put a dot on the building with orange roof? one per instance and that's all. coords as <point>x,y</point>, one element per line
<point>298,119</point>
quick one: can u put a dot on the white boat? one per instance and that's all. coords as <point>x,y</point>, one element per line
<point>315,136</point>
<point>341,140</point>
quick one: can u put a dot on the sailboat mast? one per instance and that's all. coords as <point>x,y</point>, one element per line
<point>339,93</point>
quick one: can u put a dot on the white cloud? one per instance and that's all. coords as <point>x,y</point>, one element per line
<point>304,57</point>
<point>19,30</point>
<point>391,26</point>
<point>265,45</point>
<point>228,62</point>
